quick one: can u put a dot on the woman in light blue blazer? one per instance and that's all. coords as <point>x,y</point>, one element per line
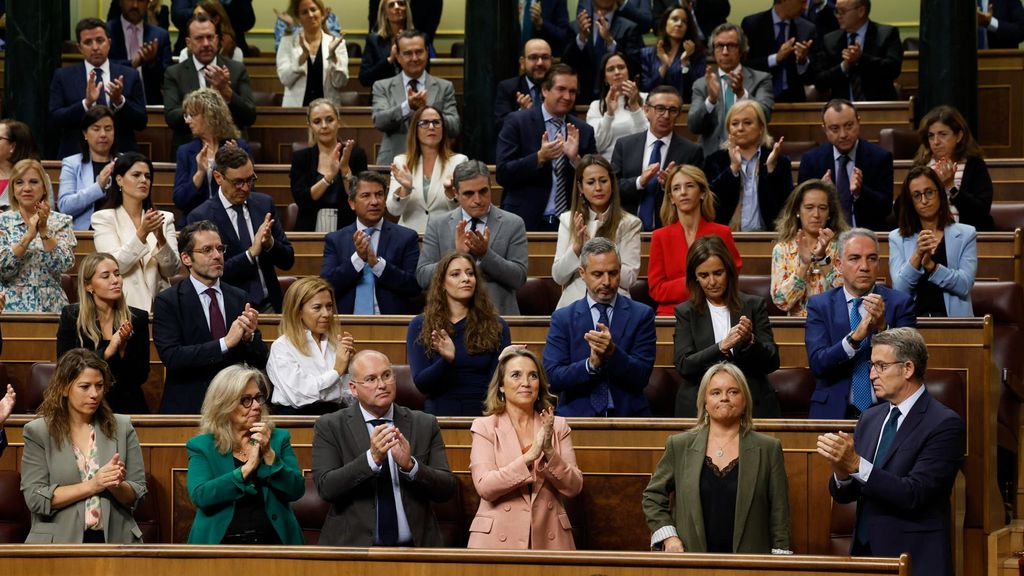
<point>931,256</point>
<point>85,177</point>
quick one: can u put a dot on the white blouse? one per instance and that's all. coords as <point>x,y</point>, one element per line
<point>608,129</point>
<point>300,380</point>
<point>565,268</point>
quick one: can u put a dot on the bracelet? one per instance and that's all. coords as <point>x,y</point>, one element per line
<point>44,236</point>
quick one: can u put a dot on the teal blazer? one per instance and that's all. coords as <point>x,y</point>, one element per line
<point>214,484</point>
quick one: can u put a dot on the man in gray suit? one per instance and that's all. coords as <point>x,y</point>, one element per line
<point>396,99</point>
<point>380,465</point>
<point>205,69</point>
<point>496,238</point>
<point>723,85</point>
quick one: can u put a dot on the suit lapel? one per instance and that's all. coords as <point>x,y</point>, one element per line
<point>223,221</point>
<point>383,239</point>
<point>619,319</point>
<point>841,314</point>
<point>750,463</point>
<point>910,423</point>
<point>689,500</point>
<point>509,450</point>
<point>357,428</point>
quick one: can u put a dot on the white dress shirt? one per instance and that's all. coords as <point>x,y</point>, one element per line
<point>303,377</point>
<point>404,533</point>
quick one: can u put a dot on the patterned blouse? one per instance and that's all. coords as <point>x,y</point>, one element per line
<point>789,291</point>
<point>88,467</point>
<point>32,282</point>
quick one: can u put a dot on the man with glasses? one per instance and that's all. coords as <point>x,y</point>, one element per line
<point>247,221</point>
<point>780,43</point>
<point>202,325</point>
<point>840,325</point>
<point>723,84</point>
<point>380,465</point>
<point>861,60</point>
<point>597,32</point>
<point>523,92</point>
<point>902,461</point>
<point>643,160</point>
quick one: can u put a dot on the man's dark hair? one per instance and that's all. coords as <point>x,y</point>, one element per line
<point>663,89</point>
<point>557,70</point>
<point>88,24</point>
<point>410,34</point>
<point>186,238</point>
<point>837,105</point>
<point>230,157</point>
<point>201,18</point>
<point>369,176</point>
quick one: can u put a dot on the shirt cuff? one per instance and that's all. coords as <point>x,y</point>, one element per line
<point>801,68</point>
<point>773,60</point>
<point>406,110</point>
<point>250,257</point>
<point>374,467</point>
<point>850,352</point>
<point>590,368</point>
<point>223,346</point>
<point>411,474</point>
<point>993,25</point>
<point>863,471</point>
<point>662,534</point>
<point>357,262</point>
<point>378,268</point>
<point>580,44</point>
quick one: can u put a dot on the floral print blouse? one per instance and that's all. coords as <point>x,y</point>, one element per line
<point>88,466</point>
<point>32,282</point>
<point>790,291</point>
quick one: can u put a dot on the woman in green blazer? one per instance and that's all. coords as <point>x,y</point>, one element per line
<point>242,473</point>
<point>731,492</point>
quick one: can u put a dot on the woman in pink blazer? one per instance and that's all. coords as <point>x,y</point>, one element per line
<point>522,460</point>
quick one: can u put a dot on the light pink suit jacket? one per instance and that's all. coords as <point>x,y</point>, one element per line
<point>510,514</point>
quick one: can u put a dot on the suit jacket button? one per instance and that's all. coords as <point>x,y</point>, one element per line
<point>508,507</point>
<point>502,537</point>
<point>550,505</point>
<point>551,535</point>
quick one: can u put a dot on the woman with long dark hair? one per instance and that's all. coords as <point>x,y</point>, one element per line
<point>677,59</point>
<point>619,109</point>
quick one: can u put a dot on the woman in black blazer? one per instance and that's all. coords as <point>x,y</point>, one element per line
<point>103,322</point>
<point>720,323</point>
<point>747,127</point>
<point>380,57</point>
<point>319,173</point>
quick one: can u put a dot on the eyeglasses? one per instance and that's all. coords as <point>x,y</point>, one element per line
<point>373,379</point>
<point>207,250</point>
<point>880,366</point>
<point>246,401</point>
<point>428,123</point>
<point>662,110</point>
<point>842,11</point>
<point>239,182</point>
<point>539,57</point>
<point>928,193</point>
<point>730,45</point>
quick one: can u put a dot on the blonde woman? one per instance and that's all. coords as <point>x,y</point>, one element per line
<point>311,62</point>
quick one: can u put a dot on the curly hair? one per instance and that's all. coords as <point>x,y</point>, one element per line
<point>54,408</point>
<point>610,225</point>
<point>483,326</point>
<point>209,104</point>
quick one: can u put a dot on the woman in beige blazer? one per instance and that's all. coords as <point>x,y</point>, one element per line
<point>421,178</point>
<point>140,238</point>
<point>522,462</point>
<point>311,50</point>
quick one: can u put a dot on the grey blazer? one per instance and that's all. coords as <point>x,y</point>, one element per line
<point>343,477</point>
<point>711,125</point>
<point>45,467</point>
<point>182,79</point>
<point>504,266</point>
<point>389,95</point>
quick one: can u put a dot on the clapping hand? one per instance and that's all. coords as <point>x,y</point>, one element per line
<point>264,239</point>
<point>364,248</point>
<point>343,352</point>
<point>803,50</point>
<point>524,101</point>
<point>110,475</point>
<point>119,340</point>
<point>401,174</point>
<point>601,345</point>
<point>7,404</point>
<point>739,334</point>
<point>713,85</point>
<point>773,157</point>
<point>152,223</point>
<point>441,343</point>
<point>581,235</point>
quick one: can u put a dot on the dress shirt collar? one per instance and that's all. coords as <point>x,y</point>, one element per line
<point>105,67</point>
<point>201,288</point>
<point>483,219</point>
<point>650,142</point>
<point>852,153</point>
<point>422,80</point>
<point>199,65</point>
<point>591,302</point>
<point>721,73</point>
<point>908,404</point>
<point>389,415</point>
<point>548,115</point>
<point>130,28</point>
<point>849,296</point>
<point>228,206</point>
<point>861,32</point>
<point>362,227</point>
<point>775,23</point>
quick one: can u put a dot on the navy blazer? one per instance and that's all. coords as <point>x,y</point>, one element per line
<point>828,323</point>
<point>374,64</point>
<point>628,162</point>
<point>905,502</point>
<point>650,77</point>
<point>239,271</point>
<point>880,63</point>
<point>67,90</point>
<point>527,185</point>
<point>189,353</point>
<point>627,371</point>
<point>1010,14</point>
<point>639,11</point>
<point>761,31</point>
<point>555,29</point>
<point>186,196</point>
<point>153,72</point>
<point>396,286</point>
<point>773,188</point>
<point>874,204</point>
<point>629,41</point>
<point>505,98</point>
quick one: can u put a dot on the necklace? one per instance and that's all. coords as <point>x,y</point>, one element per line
<point>721,447</point>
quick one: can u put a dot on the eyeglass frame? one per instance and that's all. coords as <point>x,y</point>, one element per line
<point>660,110</point>
<point>207,250</point>
<point>387,376</point>
<point>246,400</point>
<point>928,194</point>
<point>884,365</point>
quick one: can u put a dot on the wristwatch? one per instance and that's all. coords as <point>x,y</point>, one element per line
<point>823,261</point>
<point>853,343</point>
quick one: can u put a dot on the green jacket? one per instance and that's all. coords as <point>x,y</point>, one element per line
<point>214,484</point>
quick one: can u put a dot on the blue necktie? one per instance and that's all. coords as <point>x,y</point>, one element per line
<point>779,76</point>
<point>648,211</point>
<point>842,180</point>
<point>861,381</point>
<point>884,442</point>
<point>387,510</point>
<point>599,397</point>
<point>103,89</point>
<point>560,170</point>
<point>364,290</point>
<point>255,287</point>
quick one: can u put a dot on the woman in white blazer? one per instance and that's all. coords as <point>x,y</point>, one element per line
<point>311,63</point>
<point>596,211</point>
<point>421,178</point>
<point>140,238</point>
<point>81,189</point>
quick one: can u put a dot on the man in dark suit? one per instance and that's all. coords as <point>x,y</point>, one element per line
<point>599,352</point>
<point>206,69</point>
<point>546,20</point>
<point>902,461</point>
<point>861,60</point>
<point>822,13</point>
<point>97,81</point>
<point>840,323</point>
<point>137,43</point>
<point>523,92</point>
<point>597,33</point>
<point>643,160</point>
<point>861,171</point>
<point>780,43</point>
<point>707,14</point>
<point>202,325</point>
<point>247,221</point>
<point>537,153</point>
<point>240,13</point>
<point>380,465</point>
<point>638,11</point>
<point>371,262</point>
<point>1000,23</point>
<point>6,407</point>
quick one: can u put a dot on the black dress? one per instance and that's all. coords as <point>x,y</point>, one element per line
<point>718,503</point>
<point>928,298</point>
<point>314,78</point>
<point>304,175</point>
<point>374,64</point>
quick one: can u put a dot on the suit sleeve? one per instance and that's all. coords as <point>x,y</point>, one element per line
<point>904,276</point>
<point>430,374</point>
<point>135,360</point>
<point>134,102</point>
<point>824,356</point>
<point>508,270</point>
<point>337,269</point>
<point>628,190</point>
<point>762,355</point>
<point>64,115</point>
<point>135,471</point>
<point>400,274</point>
<point>689,360</point>
<point>658,493</point>
<point>449,110</point>
<point>242,104</point>
<point>208,490</point>
<point>35,472</point>
<point>564,267</point>
<point>628,241</point>
<point>631,366</point>
<point>890,61</point>
<point>516,167</point>
<point>288,53</point>
<point>71,199</point>
<point>282,253</point>
<point>374,65</point>
<point>876,186</point>
<point>764,94</point>
<point>284,476</point>
<point>174,352</point>
<point>430,252</point>
<point>334,478</point>
<point>387,115</point>
<point>564,374</point>
<point>434,479</point>
<point>491,480</point>
<point>560,468</point>
<point>959,279</point>
<point>779,494</point>
<point>698,119</point>
<point>105,238</point>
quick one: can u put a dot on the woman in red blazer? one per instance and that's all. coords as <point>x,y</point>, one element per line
<point>522,461</point>
<point>688,211</point>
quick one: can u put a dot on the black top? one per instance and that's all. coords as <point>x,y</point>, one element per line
<point>304,175</point>
<point>718,502</point>
<point>97,167</point>
<point>250,523</point>
<point>374,65</point>
<point>314,78</point>
<point>928,301</point>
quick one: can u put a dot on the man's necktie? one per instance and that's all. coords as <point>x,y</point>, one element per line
<point>133,41</point>
<point>856,90</point>
<point>102,99</point>
<point>884,442</point>
<point>474,223</point>
<point>414,85</point>
<point>599,397</point>
<point>861,380</point>
<point>255,288</point>
<point>648,211</point>
<point>779,76</point>
<point>217,328</point>
<point>387,511</point>
<point>365,288</point>
<point>727,94</point>
<point>560,166</point>
<point>843,187</point>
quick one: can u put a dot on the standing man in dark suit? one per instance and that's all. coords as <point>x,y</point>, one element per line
<point>599,352</point>
<point>861,60</point>
<point>240,13</point>
<point>861,171</point>
<point>380,465</point>
<point>596,33</point>
<point>780,44</point>
<point>546,20</point>
<point>537,152</point>
<point>523,92</point>
<point>706,15</point>
<point>643,160</point>
<point>202,325</point>
<point>396,99</point>
<point>205,69</point>
<point>1000,24</point>
<point>97,81</point>
<point>902,461</point>
<point>141,45</point>
<point>639,11</point>
<point>371,262</point>
<point>247,221</point>
<point>822,13</point>
<point>840,324</point>
<point>6,407</point>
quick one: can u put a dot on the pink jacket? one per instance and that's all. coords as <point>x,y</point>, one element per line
<point>510,515</point>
